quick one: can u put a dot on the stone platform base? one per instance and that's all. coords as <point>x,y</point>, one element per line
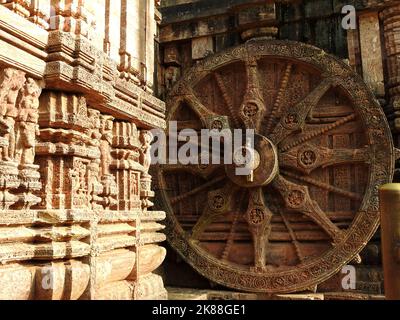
<point>194,294</point>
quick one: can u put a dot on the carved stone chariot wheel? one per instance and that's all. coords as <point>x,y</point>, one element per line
<point>323,147</point>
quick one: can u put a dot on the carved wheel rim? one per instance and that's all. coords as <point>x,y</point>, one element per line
<point>294,130</point>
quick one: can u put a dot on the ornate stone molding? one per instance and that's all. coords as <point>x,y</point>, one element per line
<point>73,62</point>
<point>75,193</point>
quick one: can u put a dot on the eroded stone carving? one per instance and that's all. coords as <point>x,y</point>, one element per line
<point>93,189</point>
<point>27,123</point>
<point>145,156</point>
<point>19,101</point>
<point>12,81</point>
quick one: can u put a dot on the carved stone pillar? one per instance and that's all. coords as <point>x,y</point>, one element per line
<point>132,48</point>
<point>371,52</point>
<point>26,130</point>
<point>71,16</point>
<point>126,166</point>
<point>145,181</point>
<point>96,188</point>
<point>391,21</point>
<point>20,7</point>
<point>37,11</point>
<point>40,13</point>
<point>110,189</point>
<point>150,48</point>
<point>64,153</point>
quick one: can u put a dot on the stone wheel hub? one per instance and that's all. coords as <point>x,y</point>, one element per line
<point>261,161</point>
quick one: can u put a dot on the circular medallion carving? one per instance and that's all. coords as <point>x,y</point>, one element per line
<point>291,120</point>
<point>217,202</point>
<point>296,198</point>
<point>308,158</point>
<point>250,109</point>
<point>257,216</point>
<point>217,125</point>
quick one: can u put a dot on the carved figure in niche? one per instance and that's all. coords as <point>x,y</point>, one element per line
<point>171,77</point>
<point>79,183</point>
<point>308,158</point>
<point>94,131</point>
<point>110,189</point>
<point>27,126</point>
<point>145,152</point>
<point>11,82</point>
<point>134,185</point>
<point>82,180</point>
<point>74,175</point>
<point>105,143</point>
<point>95,187</point>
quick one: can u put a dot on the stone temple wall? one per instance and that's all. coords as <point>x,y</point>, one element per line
<point>76,103</point>
<point>194,29</point>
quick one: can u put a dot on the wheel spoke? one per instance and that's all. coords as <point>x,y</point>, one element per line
<point>310,157</point>
<point>278,101</point>
<point>200,147</point>
<point>258,217</point>
<point>197,190</point>
<point>292,234</point>
<point>325,186</point>
<point>231,238</point>
<point>319,132</point>
<point>293,119</point>
<point>228,100</point>
<point>253,109</point>
<point>297,198</point>
<point>219,202</point>
<point>204,171</point>
<point>209,119</point>
<point>197,106</point>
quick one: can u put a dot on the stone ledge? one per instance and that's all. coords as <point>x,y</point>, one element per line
<point>72,63</point>
<point>196,294</point>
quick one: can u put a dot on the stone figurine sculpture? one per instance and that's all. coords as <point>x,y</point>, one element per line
<point>145,153</point>
<point>11,83</point>
<point>27,123</point>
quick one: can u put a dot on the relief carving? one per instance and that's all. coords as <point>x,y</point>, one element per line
<point>71,186</point>
<point>105,144</point>
<point>96,188</point>
<point>27,123</point>
<point>19,102</point>
<point>11,83</point>
<point>107,179</point>
<point>90,164</point>
<point>145,153</point>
